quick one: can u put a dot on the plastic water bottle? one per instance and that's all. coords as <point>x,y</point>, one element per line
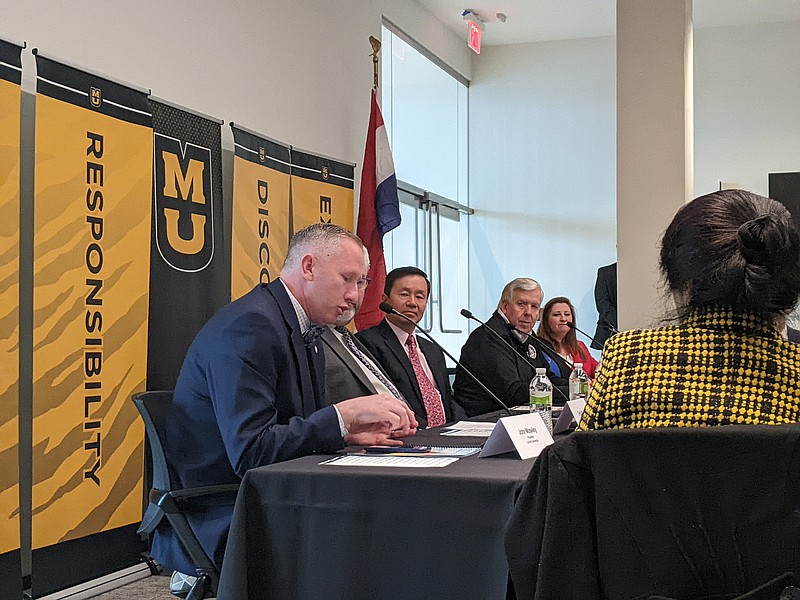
<point>578,383</point>
<point>542,397</point>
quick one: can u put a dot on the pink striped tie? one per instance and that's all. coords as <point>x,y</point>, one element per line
<point>430,395</point>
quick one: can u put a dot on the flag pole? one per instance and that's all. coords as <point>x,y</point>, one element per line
<point>376,47</point>
<point>378,204</point>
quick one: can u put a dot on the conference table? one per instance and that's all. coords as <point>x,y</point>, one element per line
<point>302,530</point>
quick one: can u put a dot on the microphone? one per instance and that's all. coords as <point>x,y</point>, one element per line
<point>572,325</point>
<point>389,310</point>
<point>469,315</point>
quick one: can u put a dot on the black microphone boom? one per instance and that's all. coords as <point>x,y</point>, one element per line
<point>572,325</point>
<point>469,315</point>
<point>389,309</point>
<point>610,325</point>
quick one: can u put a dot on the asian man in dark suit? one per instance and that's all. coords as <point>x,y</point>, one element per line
<point>415,365</point>
<point>250,389</point>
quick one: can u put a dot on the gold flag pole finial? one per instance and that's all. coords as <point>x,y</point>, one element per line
<point>376,47</point>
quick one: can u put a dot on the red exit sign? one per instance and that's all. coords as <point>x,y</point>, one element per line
<point>475,33</point>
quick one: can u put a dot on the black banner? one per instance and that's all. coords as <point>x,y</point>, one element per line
<point>189,268</point>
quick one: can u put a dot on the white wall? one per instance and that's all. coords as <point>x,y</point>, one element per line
<point>543,170</point>
<point>747,105</point>
<point>296,71</point>
<point>542,133</point>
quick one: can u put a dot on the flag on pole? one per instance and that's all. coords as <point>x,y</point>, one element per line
<point>378,212</point>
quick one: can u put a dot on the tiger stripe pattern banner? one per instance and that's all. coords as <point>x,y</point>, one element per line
<point>92,219</point>
<point>10,93</point>
<point>260,222</point>
<point>322,191</point>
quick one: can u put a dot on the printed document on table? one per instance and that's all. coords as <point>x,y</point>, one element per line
<point>365,460</point>
<point>433,451</point>
<point>469,429</point>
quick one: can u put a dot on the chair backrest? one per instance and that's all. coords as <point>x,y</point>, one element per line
<point>673,512</point>
<point>155,407</point>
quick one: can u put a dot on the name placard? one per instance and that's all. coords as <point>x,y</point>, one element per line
<point>571,413</point>
<point>527,434</point>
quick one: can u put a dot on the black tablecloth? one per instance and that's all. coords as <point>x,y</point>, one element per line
<point>302,530</point>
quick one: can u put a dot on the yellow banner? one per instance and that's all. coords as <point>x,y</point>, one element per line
<point>260,223</point>
<point>92,223</point>
<point>9,316</point>
<point>322,191</point>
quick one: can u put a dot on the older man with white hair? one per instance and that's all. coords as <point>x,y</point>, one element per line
<point>500,368</point>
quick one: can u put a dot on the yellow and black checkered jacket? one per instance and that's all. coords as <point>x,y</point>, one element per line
<point>716,368</point>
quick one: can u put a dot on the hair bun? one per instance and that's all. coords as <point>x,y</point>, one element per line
<point>762,242</point>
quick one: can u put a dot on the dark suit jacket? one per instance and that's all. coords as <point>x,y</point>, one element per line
<point>344,377</point>
<point>605,299</point>
<point>675,512</point>
<point>246,396</point>
<point>384,345</point>
<point>499,368</point>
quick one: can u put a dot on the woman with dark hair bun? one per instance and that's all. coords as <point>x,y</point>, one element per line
<point>731,261</point>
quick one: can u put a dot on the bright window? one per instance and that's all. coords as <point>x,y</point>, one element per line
<point>425,110</point>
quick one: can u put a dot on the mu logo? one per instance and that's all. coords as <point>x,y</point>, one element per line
<point>96,97</point>
<point>183,203</point>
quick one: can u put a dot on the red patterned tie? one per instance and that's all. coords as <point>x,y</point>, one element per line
<point>430,395</point>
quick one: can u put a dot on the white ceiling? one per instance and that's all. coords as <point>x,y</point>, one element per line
<point>543,20</point>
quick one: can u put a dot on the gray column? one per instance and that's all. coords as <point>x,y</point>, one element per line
<point>654,144</point>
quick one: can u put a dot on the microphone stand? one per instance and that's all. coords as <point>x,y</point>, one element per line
<point>572,325</point>
<point>610,325</point>
<point>469,315</point>
<point>388,309</point>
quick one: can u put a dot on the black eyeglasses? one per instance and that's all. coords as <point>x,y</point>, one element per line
<point>363,283</point>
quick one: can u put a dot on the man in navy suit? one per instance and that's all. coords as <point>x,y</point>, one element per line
<point>250,391</point>
<point>415,365</point>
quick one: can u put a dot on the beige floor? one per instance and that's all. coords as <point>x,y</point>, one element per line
<point>155,587</point>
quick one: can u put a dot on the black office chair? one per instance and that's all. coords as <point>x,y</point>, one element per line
<point>175,503</point>
<point>662,513</point>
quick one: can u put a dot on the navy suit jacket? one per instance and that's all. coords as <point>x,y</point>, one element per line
<point>247,395</point>
<point>383,344</point>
